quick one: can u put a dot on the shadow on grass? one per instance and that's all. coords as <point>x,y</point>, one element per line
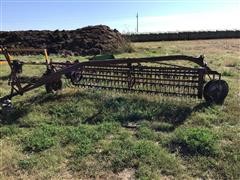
<point>125,110</point>
<point>122,109</point>
<point>44,98</point>
<point>23,79</point>
<point>13,115</point>
<point>4,78</point>
<point>136,110</point>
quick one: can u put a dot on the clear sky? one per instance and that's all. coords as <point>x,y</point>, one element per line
<point>154,15</point>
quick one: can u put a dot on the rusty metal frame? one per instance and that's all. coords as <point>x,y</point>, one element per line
<point>150,74</point>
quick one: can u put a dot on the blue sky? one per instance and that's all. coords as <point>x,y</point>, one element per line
<point>154,15</point>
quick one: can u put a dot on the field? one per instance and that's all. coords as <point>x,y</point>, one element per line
<point>79,133</point>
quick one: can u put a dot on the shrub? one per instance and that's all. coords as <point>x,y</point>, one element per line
<point>196,141</point>
<point>126,48</point>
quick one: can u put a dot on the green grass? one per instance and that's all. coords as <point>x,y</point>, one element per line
<point>196,141</point>
<point>81,133</point>
<point>149,159</point>
<point>40,139</point>
<point>146,133</point>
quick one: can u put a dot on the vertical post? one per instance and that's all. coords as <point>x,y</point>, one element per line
<point>200,82</point>
<point>48,62</point>
<point>129,76</point>
<point>137,22</point>
<point>46,56</point>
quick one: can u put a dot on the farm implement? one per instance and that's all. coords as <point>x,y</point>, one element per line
<point>154,75</point>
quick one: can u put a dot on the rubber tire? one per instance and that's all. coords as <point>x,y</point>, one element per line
<point>215,91</point>
<point>76,77</point>
<point>53,87</point>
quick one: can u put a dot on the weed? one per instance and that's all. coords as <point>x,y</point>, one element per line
<point>40,139</point>
<point>71,112</point>
<point>159,160</point>
<point>90,133</point>
<point>34,119</point>
<point>86,137</point>
<point>83,148</point>
<point>196,141</point>
<point>137,109</point>
<point>227,73</point>
<point>77,135</point>
<point>26,164</point>
<point>13,116</point>
<point>162,126</point>
<point>125,153</point>
<point>8,130</point>
<point>106,128</point>
<point>146,133</point>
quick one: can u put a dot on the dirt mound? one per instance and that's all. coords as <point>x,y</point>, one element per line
<point>91,40</point>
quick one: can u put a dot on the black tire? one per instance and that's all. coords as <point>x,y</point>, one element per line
<point>205,91</point>
<point>215,91</point>
<point>48,88</point>
<point>53,87</point>
<point>76,77</point>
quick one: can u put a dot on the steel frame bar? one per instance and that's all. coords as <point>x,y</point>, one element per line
<point>125,74</point>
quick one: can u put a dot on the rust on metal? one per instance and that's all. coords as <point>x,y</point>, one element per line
<point>154,75</point>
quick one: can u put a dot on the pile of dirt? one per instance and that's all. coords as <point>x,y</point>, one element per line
<point>91,40</point>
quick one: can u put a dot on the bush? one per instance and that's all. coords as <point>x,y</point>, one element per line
<point>196,141</point>
<point>126,48</point>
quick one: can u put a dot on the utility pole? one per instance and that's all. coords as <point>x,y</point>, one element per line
<point>137,22</point>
